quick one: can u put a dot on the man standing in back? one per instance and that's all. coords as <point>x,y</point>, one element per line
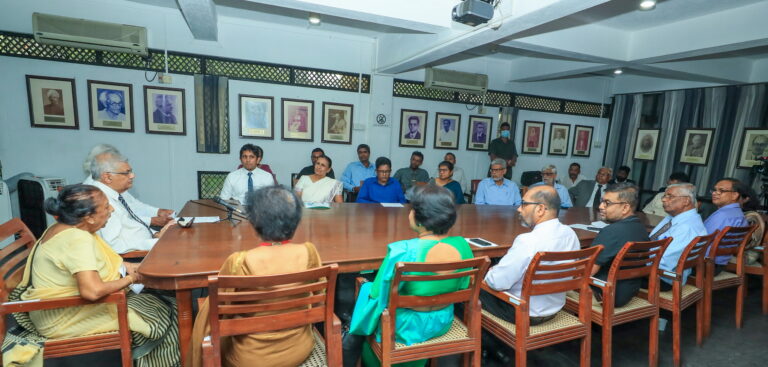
<point>503,147</point>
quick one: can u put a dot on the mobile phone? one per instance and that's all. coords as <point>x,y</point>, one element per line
<point>480,242</point>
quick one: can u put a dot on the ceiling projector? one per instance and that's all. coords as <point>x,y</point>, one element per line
<point>473,12</point>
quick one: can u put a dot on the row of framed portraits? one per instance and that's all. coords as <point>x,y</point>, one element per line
<point>413,130</point>
<point>53,104</point>
<point>559,138</point>
<point>697,144</point>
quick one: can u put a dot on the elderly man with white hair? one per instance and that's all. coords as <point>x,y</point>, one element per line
<point>497,190</point>
<point>588,193</point>
<point>549,177</point>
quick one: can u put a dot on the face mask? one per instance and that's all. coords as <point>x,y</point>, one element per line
<point>505,134</point>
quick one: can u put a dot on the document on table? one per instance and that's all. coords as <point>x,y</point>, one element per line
<point>206,220</point>
<point>317,205</point>
<point>586,227</point>
<point>392,205</point>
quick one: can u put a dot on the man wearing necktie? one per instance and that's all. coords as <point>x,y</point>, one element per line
<point>588,193</point>
<point>247,178</point>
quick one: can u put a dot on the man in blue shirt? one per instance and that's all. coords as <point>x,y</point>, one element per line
<point>726,195</point>
<point>381,189</point>
<point>548,177</point>
<point>358,171</point>
<point>682,223</point>
<point>497,190</point>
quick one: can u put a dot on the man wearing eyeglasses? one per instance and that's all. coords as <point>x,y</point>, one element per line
<point>682,223</point>
<point>497,190</point>
<point>128,228</point>
<point>618,209</point>
<point>549,177</point>
<point>381,188</point>
<point>588,193</point>
<point>726,195</point>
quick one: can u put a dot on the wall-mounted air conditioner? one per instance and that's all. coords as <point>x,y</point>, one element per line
<point>73,32</point>
<point>456,81</point>
<point>32,192</point>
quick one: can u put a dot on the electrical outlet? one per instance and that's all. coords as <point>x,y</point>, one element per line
<point>164,79</point>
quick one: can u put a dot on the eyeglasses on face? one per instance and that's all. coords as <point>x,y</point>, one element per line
<point>609,203</point>
<point>384,171</point>
<point>670,197</point>
<point>547,173</point>
<point>497,169</point>
<point>524,203</point>
<point>720,190</point>
<point>126,173</point>
<point>443,170</point>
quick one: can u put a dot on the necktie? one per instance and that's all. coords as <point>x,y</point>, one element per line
<point>598,197</point>
<point>133,215</point>
<point>661,231</point>
<point>250,181</point>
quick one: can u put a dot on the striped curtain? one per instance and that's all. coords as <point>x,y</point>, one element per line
<point>212,113</point>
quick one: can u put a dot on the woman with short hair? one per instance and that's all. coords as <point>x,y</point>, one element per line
<point>319,188</point>
<point>445,179</point>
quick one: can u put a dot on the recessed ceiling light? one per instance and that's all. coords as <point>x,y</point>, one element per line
<point>314,19</point>
<point>647,4</point>
<point>618,71</point>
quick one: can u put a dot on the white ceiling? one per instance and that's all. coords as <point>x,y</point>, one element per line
<point>712,41</point>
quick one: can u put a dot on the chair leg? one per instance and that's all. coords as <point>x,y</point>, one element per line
<point>740,304</point>
<point>707,312</point>
<point>765,293</point>
<point>521,357</point>
<point>653,341</point>
<point>699,323</point>
<point>676,337</point>
<point>607,343</point>
<point>586,349</point>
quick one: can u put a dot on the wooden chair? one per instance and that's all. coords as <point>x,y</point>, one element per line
<point>548,272</point>
<point>14,257</point>
<point>729,241</point>
<point>138,254</point>
<point>289,301</point>
<point>472,191</point>
<point>756,250</point>
<point>682,295</point>
<point>464,335</point>
<point>634,260</point>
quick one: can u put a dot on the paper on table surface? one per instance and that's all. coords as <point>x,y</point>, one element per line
<point>317,205</point>
<point>392,205</point>
<point>599,224</point>
<point>584,227</point>
<point>206,220</point>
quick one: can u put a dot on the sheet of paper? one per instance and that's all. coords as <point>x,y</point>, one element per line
<point>599,224</point>
<point>206,220</point>
<point>136,288</point>
<point>317,205</point>
<point>586,227</point>
<point>392,205</point>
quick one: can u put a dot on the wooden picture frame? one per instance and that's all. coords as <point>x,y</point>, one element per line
<point>447,130</point>
<point>754,144</point>
<point>298,116</point>
<point>582,141</point>
<point>479,133</point>
<point>164,110</point>
<point>697,144</point>
<point>257,117</point>
<point>559,136</point>
<point>110,106</point>
<point>646,144</point>
<point>337,123</point>
<point>413,128</point>
<point>52,102</point>
<point>533,137</point>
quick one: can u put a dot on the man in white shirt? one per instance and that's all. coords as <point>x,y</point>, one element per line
<point>247,178</point>
<point>458,173</point>
<point>574,176</point>
<point>539,211</point>
<point>127,229</point>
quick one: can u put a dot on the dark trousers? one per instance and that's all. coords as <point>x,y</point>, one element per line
<point>505,311</point>
<point>352,349</point>
<point>663,286</point>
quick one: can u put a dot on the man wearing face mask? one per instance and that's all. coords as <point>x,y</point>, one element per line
<point>503,147</point>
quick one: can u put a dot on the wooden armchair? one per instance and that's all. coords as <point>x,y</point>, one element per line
<point>757,249</point>
<point>138,254</point>
<point>472,191</point>
<point>14,257</point>
<point>635,260</point>
<point>464,335</point>
<point>548,272</point>
<point>292,300</point>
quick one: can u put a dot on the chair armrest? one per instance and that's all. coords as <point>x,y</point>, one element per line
<point>759,248</point>
<point>506,297</point>
<point>670,275</point>
<point>63,302</point>
<point>208,355</point>
<point>602,284</point>
<point>134,254</point>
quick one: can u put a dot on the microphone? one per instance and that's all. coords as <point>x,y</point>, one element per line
<point>230,207</point>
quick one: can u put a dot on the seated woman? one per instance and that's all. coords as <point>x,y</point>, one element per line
<point>445,179</point>
<point>382,188</point>
<point>275,255</point>
<point>433,214</point>
<point>319,188</point>
<point>71,260</point>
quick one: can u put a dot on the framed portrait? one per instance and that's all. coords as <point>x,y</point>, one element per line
<point>582,141</point>
<point>413,128</point>
<point>754,144</point>
<point>256,116</point>
<point>646,144</point>
<point>533,137</point>
<point>337,123</point>
<point>447,127</point>
<point>110,106</point>
<point>52,102</point>
<point>298,119</point>
<point>479,137</point>
<point>164,110</point>
<point>696,146</point>
<point>559,135</point>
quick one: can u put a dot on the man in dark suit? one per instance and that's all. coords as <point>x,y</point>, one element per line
<point>588,193</point>
<point>413,128</point>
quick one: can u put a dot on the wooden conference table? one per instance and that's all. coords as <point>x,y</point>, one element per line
<point>355,236</point>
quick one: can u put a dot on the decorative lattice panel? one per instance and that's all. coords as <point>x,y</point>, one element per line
<point>582,108</point>
<point>538,103</point>
<point>26,46</point>
<point>327,79</point>
<point>210,183</point>
<point>404,88</point>
<point>491,98</point>
<point>247,70</point>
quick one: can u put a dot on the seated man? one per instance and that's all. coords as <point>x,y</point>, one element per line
<point>382,188</point>
<point>618,209</point>
<point>412,175</point>
<point>497,190</point>
<point>310,170</point>
<point>548,177</point>
<point>588,193</point>
<point>727,196</point>
<point>574,176</point>
<point>655,207</point>
<point>358,171</point>
<point>622,175</point>
<point>125,230</point>
<point>247,178</point>
<point>539,211</point>
<point>682,223</point>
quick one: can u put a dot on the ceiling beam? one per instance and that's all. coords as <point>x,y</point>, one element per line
<point>201,18</point>
<point>538,69</point>
<point>684,75</point>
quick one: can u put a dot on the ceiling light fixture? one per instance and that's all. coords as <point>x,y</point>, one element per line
<point>647,4</point>
<point>314,19</point>
<point>618,71</point>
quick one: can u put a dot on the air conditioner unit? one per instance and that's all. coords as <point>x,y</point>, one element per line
<point>456,81</point>
<point>73,32</point>
<point>5,210</point>
<point>32,192</point>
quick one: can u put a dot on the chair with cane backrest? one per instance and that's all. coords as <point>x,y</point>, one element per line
<point>548,272</point>
<point>14,257</point>
<point>634,260</point>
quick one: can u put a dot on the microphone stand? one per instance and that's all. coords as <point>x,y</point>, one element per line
<point>233,221</point>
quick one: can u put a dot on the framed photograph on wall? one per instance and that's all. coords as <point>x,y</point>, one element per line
<point>257,118</point>
<point>646,144</point>
<point>52,102</point>
<point>413,128</point>
<point>447,128</point>
<point>533,137</point>
<point>110,106</point>
<point>696,146</point>
<point>754,144</point>
<point>337,123</point>
<point>164,110</point>
<point>478,137</point>
<point>582,141</point>
<point>558,139</point>
<point>298,119</point>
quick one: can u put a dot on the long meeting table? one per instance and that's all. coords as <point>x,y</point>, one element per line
<point>354,236</point>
